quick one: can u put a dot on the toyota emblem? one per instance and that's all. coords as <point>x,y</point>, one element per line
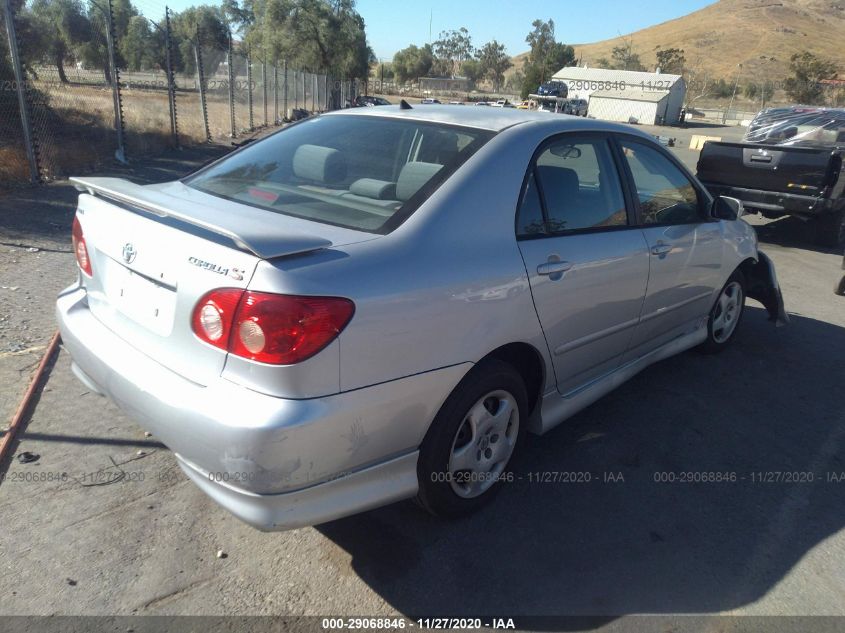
<point>129,253</point>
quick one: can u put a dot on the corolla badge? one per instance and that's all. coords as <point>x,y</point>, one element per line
<point>129,253</point>
<point>235,273</point>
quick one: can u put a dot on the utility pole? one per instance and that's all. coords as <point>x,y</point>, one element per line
<point>736,83</point>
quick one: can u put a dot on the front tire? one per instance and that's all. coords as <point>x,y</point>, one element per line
<point>470,443</point>
<point>725,315</point>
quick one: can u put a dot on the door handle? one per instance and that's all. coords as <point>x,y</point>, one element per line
<point>553,268</point>
<point>661,249</point>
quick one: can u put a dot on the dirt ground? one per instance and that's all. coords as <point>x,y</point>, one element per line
<point>145,541</point>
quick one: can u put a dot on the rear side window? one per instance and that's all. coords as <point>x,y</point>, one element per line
<point>574,185</point>
<point>665,193</point>
<point>360,172</point>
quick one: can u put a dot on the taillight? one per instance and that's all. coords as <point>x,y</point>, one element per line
<point>270,328</point>
<point>214,314</point>
<point>80,249</point>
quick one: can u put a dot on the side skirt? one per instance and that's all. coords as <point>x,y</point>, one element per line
<point>555,408</point>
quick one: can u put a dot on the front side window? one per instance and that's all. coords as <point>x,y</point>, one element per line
<point>665,193</point>
<point>360,172</point>
<point>573,186</point>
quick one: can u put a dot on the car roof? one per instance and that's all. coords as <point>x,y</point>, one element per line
<point>494,119</point>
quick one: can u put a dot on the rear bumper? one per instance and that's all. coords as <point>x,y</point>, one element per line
<point>276,463</point>
<point>773,202</point>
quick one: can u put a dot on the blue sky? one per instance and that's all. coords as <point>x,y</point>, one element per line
<point>394,24</point>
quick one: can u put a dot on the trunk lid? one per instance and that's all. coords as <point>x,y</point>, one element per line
<point>156,250</point>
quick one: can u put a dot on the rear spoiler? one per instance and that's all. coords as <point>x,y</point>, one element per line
<point>251,229</point>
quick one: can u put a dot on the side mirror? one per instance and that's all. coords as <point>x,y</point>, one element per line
<point>725,208</point>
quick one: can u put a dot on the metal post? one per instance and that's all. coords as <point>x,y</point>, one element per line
<point>264,89</point>
<point>201,81</point>
<point>120,154</point>
<point>313,92</point>
<point>249,91</point>
<point>328,103</point>
<point>230,59</point>
<point>23,104</point>
<point>304,90</point>
<point>171,79</point>
<point>275,94</point>
<point>295,91</point>
<point>285,70</point>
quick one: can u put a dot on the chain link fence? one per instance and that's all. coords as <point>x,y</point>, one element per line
<point>125,101</point>
<point>14,164</point>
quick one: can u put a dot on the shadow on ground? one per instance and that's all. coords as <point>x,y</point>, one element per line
<point>770,404</point>
<point>794,233</point>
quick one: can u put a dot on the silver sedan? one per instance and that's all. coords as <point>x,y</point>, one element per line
<point>376,304</point>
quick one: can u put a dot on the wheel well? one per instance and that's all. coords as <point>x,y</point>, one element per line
<point>747,269</point>
<point>528,362</point>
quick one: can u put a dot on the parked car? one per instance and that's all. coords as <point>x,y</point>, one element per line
<point>367,306</point>
<point>840,287</point>
<point>524,105</point>
<point>365,101</point>
<point>790,164</point>
<point>578,107</point>
<point>503,103</point>
<point>553,89</point>
<point>430,101</point>
<point>763,122</point>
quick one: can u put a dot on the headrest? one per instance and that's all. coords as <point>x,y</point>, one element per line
<point>412,178</point>
<point>372,188</point>
<point>319,164</point>
<point>558,181</point>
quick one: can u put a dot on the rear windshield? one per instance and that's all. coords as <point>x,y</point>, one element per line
<point>360,172</point>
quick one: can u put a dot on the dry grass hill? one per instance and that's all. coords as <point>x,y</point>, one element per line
<point>729,32</point>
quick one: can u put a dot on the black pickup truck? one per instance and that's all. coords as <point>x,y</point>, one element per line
<point>790,163</point>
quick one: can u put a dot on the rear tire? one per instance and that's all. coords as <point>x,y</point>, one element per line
<point>470,443</point>
<point>840,287</point>
<point>830,229</point>
<point>725,315</point>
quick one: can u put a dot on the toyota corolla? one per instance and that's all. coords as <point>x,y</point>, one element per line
<point>376,304</point>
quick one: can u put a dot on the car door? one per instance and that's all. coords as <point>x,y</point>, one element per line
<point>587,262</point>
<point>685,245</point>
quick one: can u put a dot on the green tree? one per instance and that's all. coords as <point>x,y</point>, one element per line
<point>531,80</point>
<point>452,49</point>
<point>493,61</point>
<point>139,45</point>
<point>213,38</point>
<point>624,58</point>
<point>541,39</point>
<point>721,89</point>
<point>471,69</point>
<point>546,57</point>
<point>671,60</point>
<point>383,70</point>
<point>412,62</point>
<point>94,52</point>
<point>326,35</point>
<point>64,26</point>
<point>751,90</point>
<point>807,72</point>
